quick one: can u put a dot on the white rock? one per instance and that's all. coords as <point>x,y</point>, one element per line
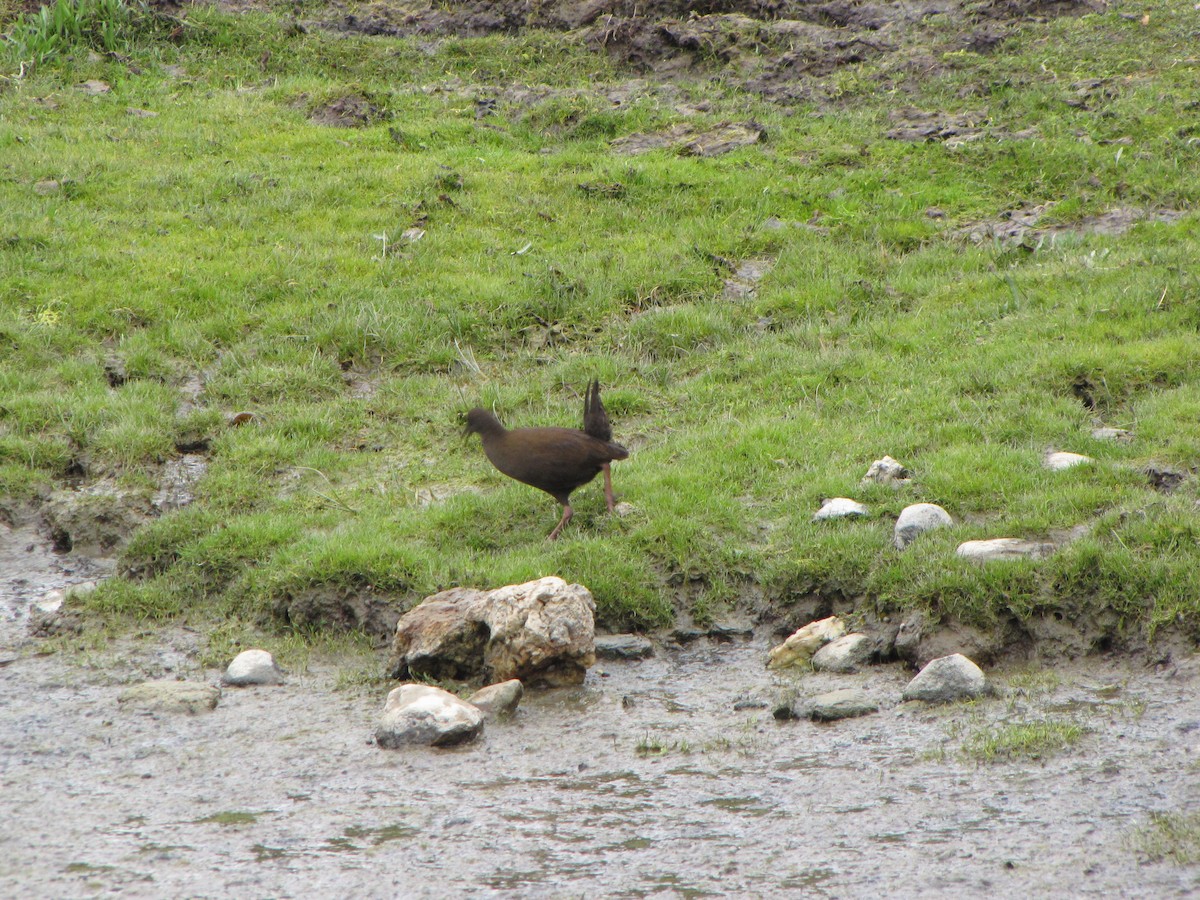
<point>946,679</point>
<point>844,655</point>
<point>252,667</point>
<point>1056,462</point>
<point>917,519</point>
<point>886,471</point>
<point>839,508</point>
<point>1003,548</point>
<point>421,714</point>
<point>498,699</point>
<point>805,641</point>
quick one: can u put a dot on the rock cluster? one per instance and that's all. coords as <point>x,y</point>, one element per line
<point>918,518</point>
<point>801,645</point>
<point>942,680</point>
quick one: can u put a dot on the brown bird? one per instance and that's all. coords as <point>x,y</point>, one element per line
<point>555,460</point>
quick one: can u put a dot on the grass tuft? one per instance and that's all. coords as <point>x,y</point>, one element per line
<point>1024,740</point>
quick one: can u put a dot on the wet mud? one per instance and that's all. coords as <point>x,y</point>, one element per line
<point>665,777</point>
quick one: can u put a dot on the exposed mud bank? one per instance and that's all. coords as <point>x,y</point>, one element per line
<point>780,50</point>
<point>663,778</point>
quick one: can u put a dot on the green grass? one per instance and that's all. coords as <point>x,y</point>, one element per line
<point>1169,836</point>
<point>229,238</point>
<point>1022,740</point>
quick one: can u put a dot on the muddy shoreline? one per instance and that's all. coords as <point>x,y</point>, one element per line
<point>665,777</point>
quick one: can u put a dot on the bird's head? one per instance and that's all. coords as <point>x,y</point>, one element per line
<point>480,421</point>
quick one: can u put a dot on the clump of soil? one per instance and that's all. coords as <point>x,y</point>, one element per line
<point>339,608</point>
<point>351,111</point>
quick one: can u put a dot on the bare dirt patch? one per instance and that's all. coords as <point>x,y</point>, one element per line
<point>1024,226</point>
<point>350,111</point>
<point>780,49</point>
<point>690,140</point>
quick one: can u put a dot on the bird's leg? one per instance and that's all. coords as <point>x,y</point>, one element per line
<point>566,517</point>
<point>608,492</point>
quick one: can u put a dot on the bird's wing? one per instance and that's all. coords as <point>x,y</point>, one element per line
<point>595,419</point>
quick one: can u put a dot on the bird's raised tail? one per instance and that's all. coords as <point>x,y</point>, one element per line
<point>595,419</point>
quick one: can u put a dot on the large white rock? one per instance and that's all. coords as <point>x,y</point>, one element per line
<point>1003,548</point>
<point>916,519</point>
<point>252,667</point>
<point>425,715</point>
<point>804,642</point>
<point>541,631</point>
<point>1056,462</point>
<point>839,508</point>
<point>946,679</point>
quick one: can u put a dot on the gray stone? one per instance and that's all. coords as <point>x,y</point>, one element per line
<point>252,667</point>
<point>498,699</point>
<point>539,632</point>
<point>1056,462</point>
<point>623,646</point>
<point>1004,548</point>
<point>427,716</point>
<point>947,679</point>
<point>848,703</point>
<point>886,471</point>
<point>1112,434</point>
<point>839,508</point>
<point>844,655</point>
<point>171,696</point>
<point>918,518</point>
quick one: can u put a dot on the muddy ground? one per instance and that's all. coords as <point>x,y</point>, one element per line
<point>782,50</point>
<point>667,777</point>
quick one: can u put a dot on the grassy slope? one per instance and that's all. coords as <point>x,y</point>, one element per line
<point>230,236</point>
